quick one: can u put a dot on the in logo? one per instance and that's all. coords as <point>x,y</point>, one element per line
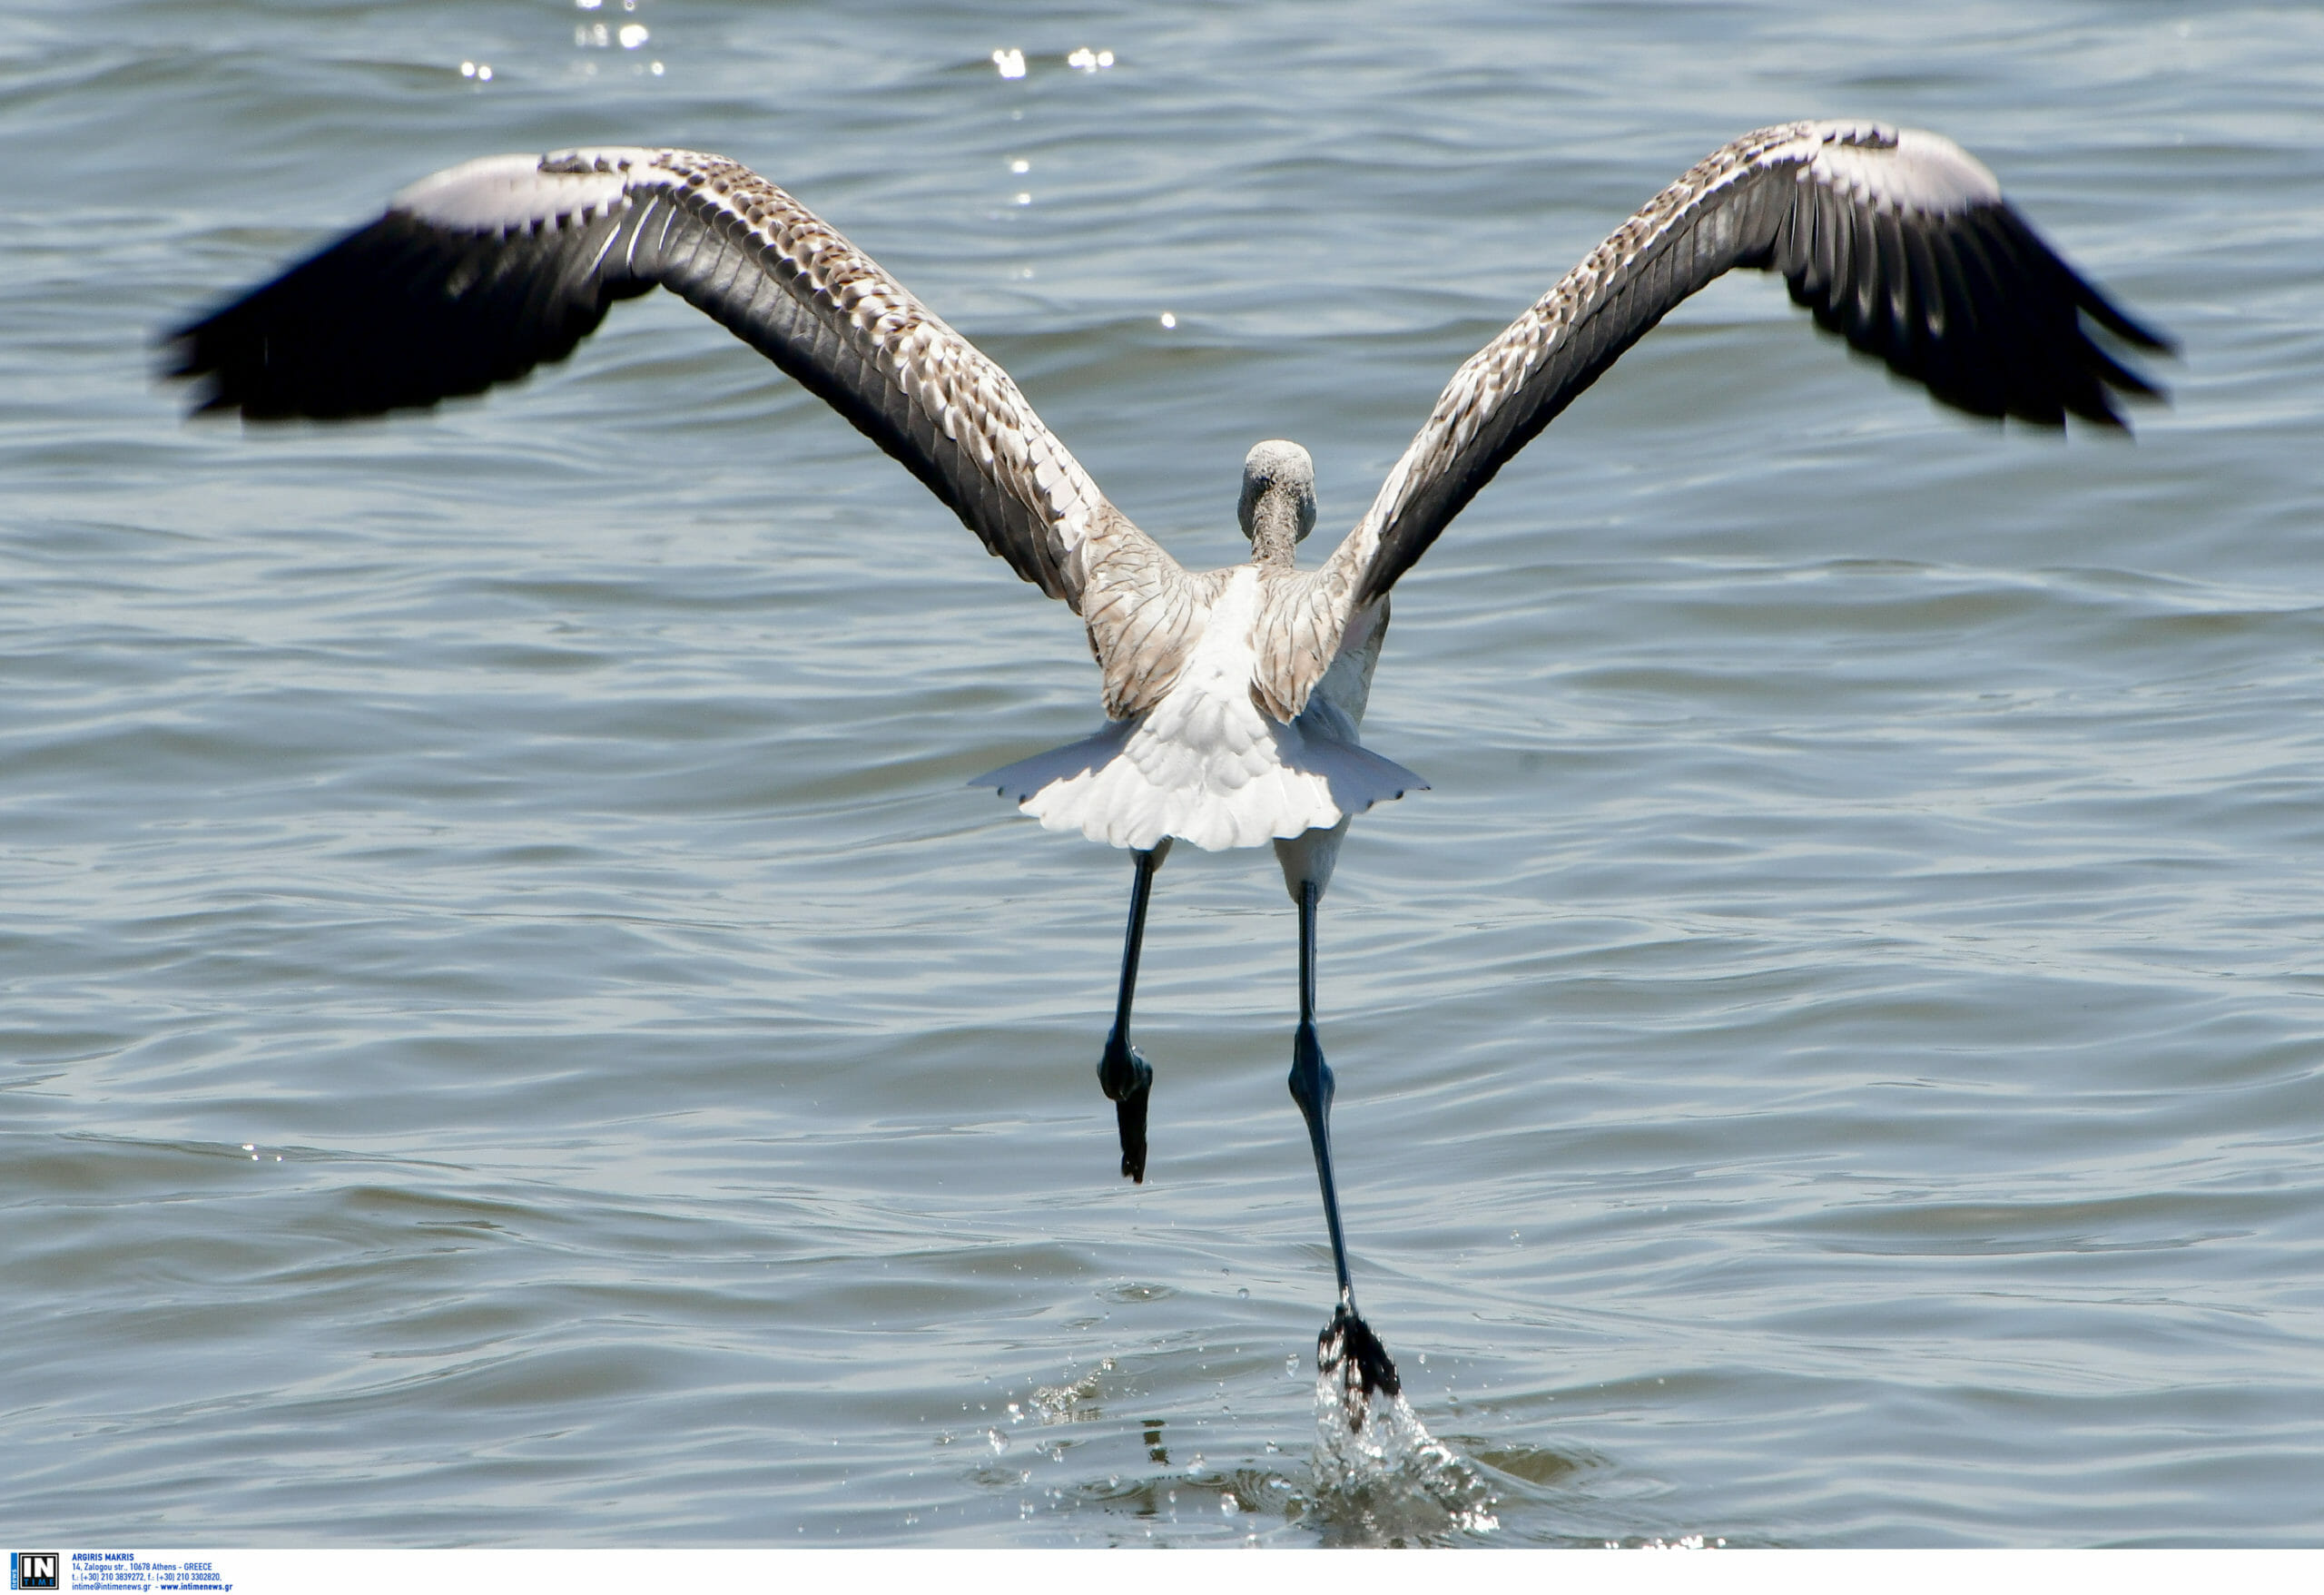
<point>34,1569</point>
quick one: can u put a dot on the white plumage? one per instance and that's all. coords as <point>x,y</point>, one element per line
<point>1206,764</point>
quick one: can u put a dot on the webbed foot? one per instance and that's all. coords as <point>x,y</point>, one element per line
<point>1128,1079</point>
<point>1351,1356</point>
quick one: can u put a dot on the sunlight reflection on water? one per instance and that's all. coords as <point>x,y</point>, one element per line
<point>1833,1059</point>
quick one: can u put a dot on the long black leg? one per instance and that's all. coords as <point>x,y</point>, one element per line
<point>1311,1086</point>
<point>1348,1337</point>
<point>1123,1071</point>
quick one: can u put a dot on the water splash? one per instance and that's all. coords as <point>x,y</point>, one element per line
<point>1073,1401</point>
<point>1381,1477</point>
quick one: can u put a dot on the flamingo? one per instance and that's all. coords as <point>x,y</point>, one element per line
<point>1233,698</point>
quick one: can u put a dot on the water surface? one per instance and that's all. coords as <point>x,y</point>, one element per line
<point>517,1033</point>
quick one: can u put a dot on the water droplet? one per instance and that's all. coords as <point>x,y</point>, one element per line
<point>1170,320</point>
<point>1010,63</point>
<point>633,35</point>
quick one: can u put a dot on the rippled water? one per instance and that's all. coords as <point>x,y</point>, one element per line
<point>516,1032</point>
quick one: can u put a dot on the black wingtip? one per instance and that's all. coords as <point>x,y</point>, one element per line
<point>2006,220</point>
<point>1978,308</point>
<point>2121,323</point>
<point>398,315</point>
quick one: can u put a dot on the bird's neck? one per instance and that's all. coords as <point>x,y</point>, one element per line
<point>1275,531</point>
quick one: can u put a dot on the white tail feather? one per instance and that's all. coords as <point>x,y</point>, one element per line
<point>1131,786</point>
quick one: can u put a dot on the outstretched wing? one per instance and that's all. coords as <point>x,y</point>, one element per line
<point>479,273</point>
<point>1897,240</point>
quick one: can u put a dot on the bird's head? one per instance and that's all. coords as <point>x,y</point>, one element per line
<point>1278,507</point>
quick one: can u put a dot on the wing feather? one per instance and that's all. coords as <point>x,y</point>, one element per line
<point>480,273</point>
<point>1897,239</point>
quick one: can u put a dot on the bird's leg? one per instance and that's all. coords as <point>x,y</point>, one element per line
<point>1123,1071</point>
<point>1348,1338</point>
<point>1311,1085</point>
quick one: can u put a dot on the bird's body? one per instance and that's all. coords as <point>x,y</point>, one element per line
<point>1233,698</point>
<point>1206,764</point>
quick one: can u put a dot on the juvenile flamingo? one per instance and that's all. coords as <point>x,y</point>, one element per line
<point>1232,697</point>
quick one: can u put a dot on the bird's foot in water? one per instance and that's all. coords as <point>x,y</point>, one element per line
<point>1128,1079</point>
<point>1350,1358</point>
<point>1381,1477</point>
<point>1130,1118</point>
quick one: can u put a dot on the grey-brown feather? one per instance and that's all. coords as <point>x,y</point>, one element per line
<point>1898,241</point>
<point>413,310</point>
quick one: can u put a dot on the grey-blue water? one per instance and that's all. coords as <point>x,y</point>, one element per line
<point>515,1031</point>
